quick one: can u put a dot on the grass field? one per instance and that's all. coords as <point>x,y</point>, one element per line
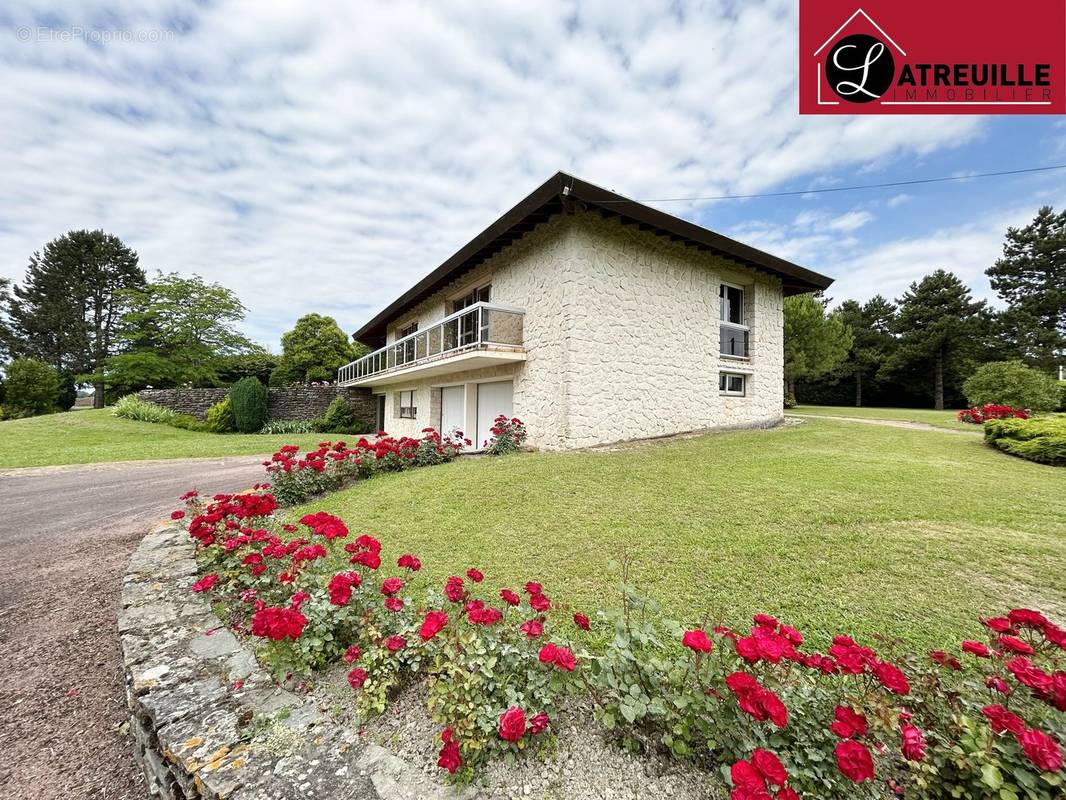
<point>939,419</point>
<point>837,527</point>
<point>95,435</point>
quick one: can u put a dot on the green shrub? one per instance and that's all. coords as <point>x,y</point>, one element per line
<point>67,394</point>
<point>282,426</point>
<point>1042,439</point>
<point>790,400</point>
<point>220,417</point>
<point>1012,383</point>
<point>189,423</point>
<point>249,399</point>
<point>32,387</point>
<point>133,407</point>
<point>1062,388</point>
<point>340,418</point>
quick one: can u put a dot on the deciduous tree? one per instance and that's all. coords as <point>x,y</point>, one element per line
<point>816,343</point>
<point>313,351</point>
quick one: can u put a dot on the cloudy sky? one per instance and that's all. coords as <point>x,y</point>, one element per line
<point>323,156</point>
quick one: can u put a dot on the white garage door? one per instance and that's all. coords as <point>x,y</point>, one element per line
<point>493,399</point>
<point>452,412</point>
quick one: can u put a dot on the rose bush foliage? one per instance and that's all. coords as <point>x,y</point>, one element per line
<point>981,414</point>
<point>780,720</point>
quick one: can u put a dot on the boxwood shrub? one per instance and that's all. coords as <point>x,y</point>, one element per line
<point>1042,439</point>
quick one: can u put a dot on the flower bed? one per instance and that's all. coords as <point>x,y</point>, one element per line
<point>296,478</point>
<point>979,415</point>
<point>503,667</point>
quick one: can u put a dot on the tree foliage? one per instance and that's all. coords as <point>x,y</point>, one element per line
<point>179,331</point>
<point>816,343</point>
<point>1012,383</point>
<point>32,387</point>
<point>66,310</point>
<point>871,327</point>
<point>1031,278</point>
<point>940,329</point>
<point>313,351</point>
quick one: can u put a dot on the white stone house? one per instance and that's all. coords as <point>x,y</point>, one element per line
<point>591,317</point>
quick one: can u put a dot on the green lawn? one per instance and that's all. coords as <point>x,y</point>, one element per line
<point>939,419</point>
<point>834,526</point>
<point>95,435</point>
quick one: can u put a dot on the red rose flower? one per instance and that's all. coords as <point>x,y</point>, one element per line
<point>408,561</point>
<point>391,586</point>
<point>848,723</point>
<point>913,746</point>
<point>997,684</point>
<point>769,766</point>
<point>357,677</point>
<point>854,761</point>
<point>1015,645</point>
<point>395,643</point>
<point>976,648</point>
<point>177,515</point>
<point>532,628</point>
<point>475,575</point>
<point>454,590</point>
<point>276,623</point>
<point>697,641</point>
<point>510,597</point>
<point>1027,617</point>
<point>788,793</point>
<point>1003,720</point>
<point>432,624</point>
<point>747,781</point>
<point>394,603</point>
<point>581,621</point>
<point>352,653</point>
<point>512,724</point>
<point>1041,749</point>
<point>533,588</point>
<point>205,583</point>
<point>1027,673</point>
<point>564,659</point>
<point>538,723</point>
<point>547,653</point>
<point>449,757</point>
<point>539,603</point>
<point>892,678</point>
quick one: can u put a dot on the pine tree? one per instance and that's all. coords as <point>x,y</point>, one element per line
<point>871,327</point>
<point>1031,278</point>
<point>70,301</point>
<point>939,327</point>
<point>816,343</point>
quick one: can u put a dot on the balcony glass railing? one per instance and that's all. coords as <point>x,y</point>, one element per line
<point>476,326</point>
<point>733,341</point>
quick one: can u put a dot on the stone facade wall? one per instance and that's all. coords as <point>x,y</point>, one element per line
<point>290,402</point>
<point>209,723</point>
<point>622,335</point>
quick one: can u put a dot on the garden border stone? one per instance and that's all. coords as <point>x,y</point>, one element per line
<point>207,722</point>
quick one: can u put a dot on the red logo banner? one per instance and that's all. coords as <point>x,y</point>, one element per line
<point>932,57</point>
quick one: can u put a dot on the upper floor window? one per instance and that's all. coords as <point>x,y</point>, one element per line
<point>406,351</point>
<point>732,329</point>
<point>480,295</point>
<point>407,330</point>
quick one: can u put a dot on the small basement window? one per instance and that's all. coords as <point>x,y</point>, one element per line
<point>731,383</point>
<point>408,409</point>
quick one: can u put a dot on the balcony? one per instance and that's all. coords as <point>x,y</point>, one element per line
<point>480,335</point>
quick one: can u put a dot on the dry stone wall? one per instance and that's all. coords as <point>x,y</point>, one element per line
<point>290,402</point>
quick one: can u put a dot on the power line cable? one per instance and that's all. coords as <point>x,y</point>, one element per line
<point>857,187</point>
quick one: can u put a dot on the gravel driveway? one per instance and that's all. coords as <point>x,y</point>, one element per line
<point>66,534</point>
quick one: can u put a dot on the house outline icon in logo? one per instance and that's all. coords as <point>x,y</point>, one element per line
<point>836,33</point>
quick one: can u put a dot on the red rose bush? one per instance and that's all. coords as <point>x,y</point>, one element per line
<point>981,414</point>
<point>296,477</point>
<point>983,718</point>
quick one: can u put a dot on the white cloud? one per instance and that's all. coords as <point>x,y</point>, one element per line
<point>324,157</point>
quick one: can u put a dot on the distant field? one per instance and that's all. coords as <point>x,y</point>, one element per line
<point>90,436</point>
<point>940,419</point>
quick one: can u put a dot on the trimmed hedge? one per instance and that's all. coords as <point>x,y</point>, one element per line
<point>1042,439</point>
<point>249,399</point>
<point>340,418</point>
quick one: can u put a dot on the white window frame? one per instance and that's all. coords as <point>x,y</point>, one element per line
<point>740,326</point>
<point>410,411</point>
<point>727,376</point>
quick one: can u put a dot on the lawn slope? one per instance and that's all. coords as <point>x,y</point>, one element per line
<point>95,435</point>
<point>834,526</point>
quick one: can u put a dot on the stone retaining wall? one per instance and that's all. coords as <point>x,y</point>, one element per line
<point>209,723</point>
<point>290,402</point>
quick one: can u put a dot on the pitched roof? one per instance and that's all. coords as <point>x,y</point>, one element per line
<point>563,191</point>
